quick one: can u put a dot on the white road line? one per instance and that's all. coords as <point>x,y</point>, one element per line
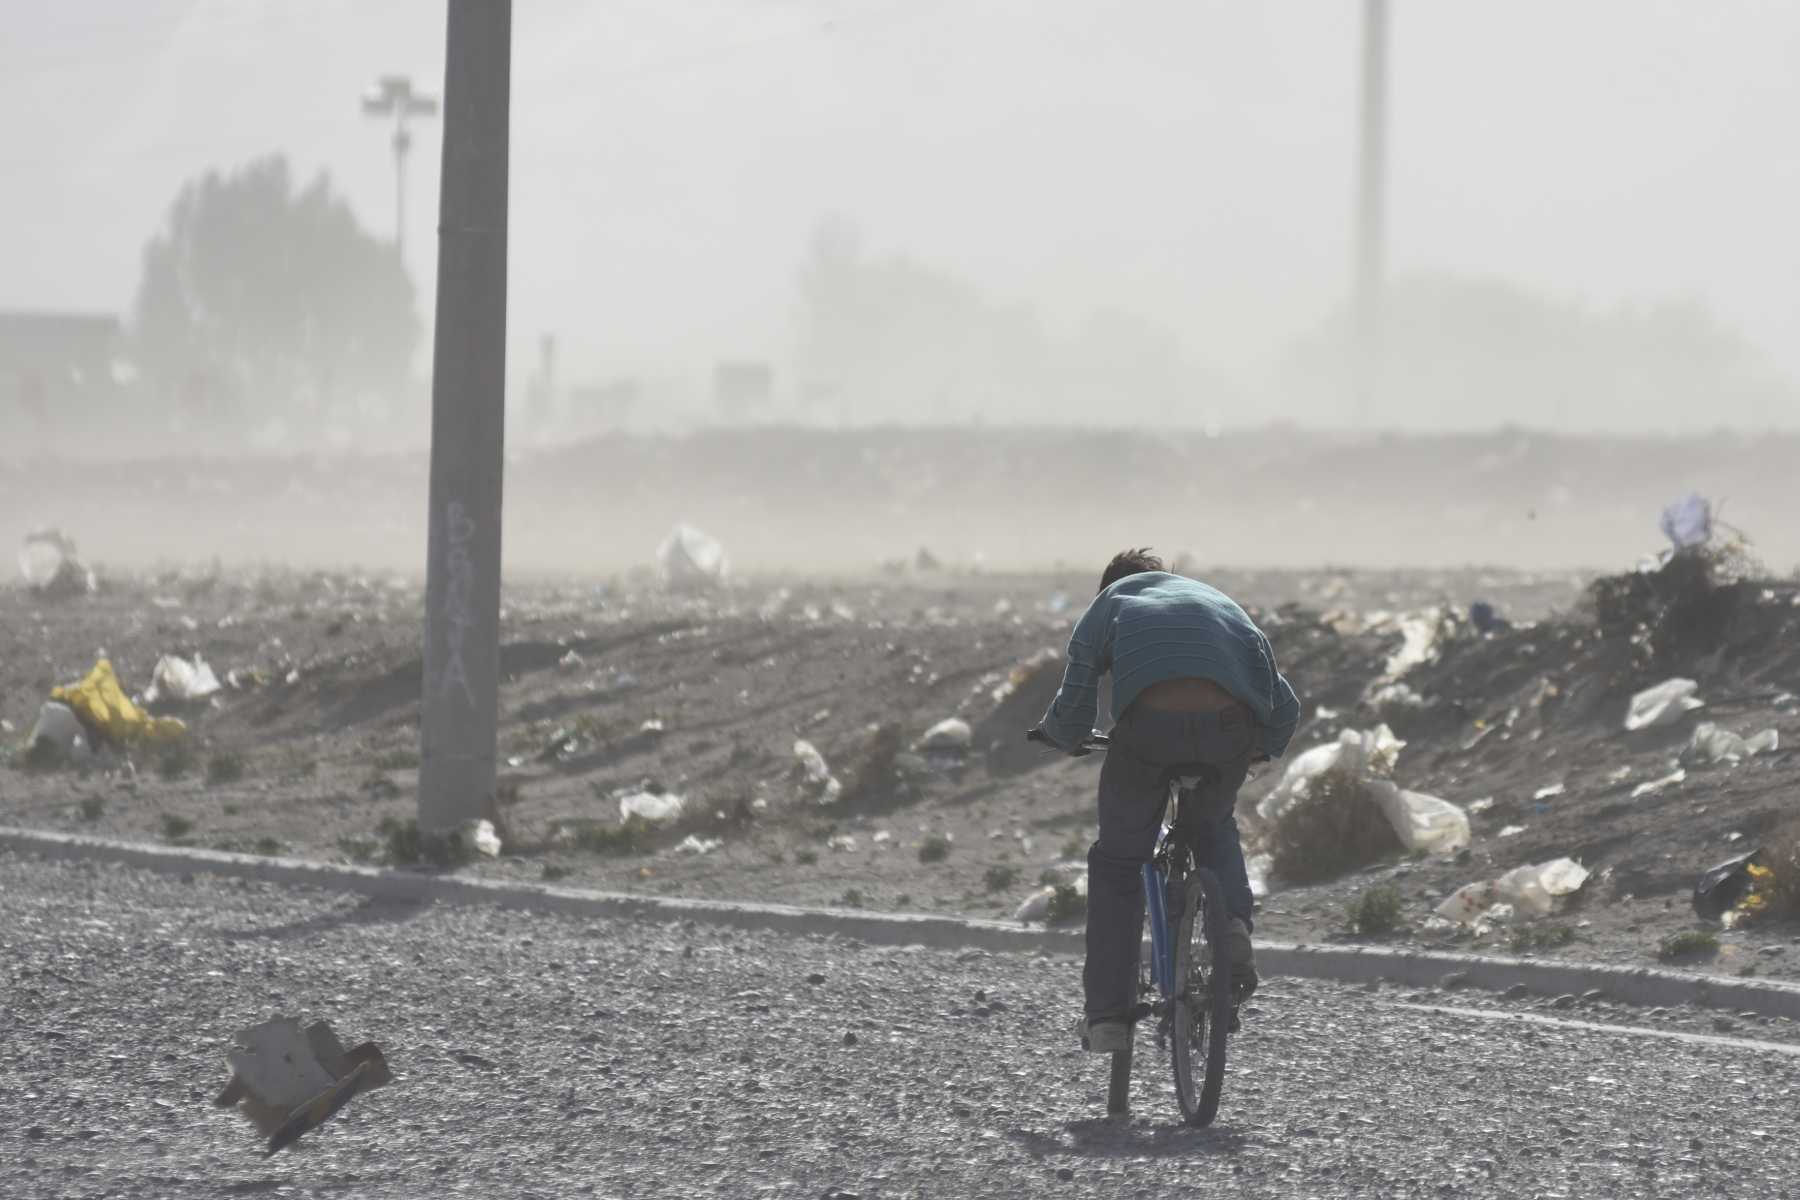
<point>1673,1035</point>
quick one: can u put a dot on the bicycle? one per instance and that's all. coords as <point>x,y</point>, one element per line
<point>1186,984</point>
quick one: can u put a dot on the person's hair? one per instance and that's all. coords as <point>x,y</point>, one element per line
<point>1129,562</point>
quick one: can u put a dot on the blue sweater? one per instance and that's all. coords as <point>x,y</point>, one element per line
<point>1155,626</point>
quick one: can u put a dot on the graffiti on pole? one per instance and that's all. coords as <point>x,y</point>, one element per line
<point>458,616</point>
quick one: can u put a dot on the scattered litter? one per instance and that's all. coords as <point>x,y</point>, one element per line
<point>1652,786</point>
<point>1529,889</point>
<point>653,725</point>
<point>1481,805</point>
<point>288,1082</point>
<point>815,773</point>
<point>1420,633</point>
<point>1036,907</point>
<point>842,842</point>
<point>1395,695</point>
<point>952,733</point>
<point>655,807</point>
<point>1720,888</point>
<point>1362,754</point>
<point>1258,866</point>
<point>180,680</point>
<point>1549,791</point>
<point>1422,822</point>
<point>1710,744</point>
<point>482,837</point>
<point>48,561</point>
<point>694,844</point>
<point>1023,672</point>
<point>103,708</point>
<point>1486,618</point>
<point>1664,704</point>
<point>691,559</point>
<point>1057,604</point>
<point>1512,831</point>
<point>1688,521</point>
<point>57,738</point>
<point>571,661</point>
<point>882,837</point>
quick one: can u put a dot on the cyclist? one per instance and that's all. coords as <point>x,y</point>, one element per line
<point>1193,681</point>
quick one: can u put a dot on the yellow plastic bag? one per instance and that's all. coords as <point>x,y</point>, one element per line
<point>104,708</point>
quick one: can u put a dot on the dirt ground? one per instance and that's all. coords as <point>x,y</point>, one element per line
<point>612,686</point>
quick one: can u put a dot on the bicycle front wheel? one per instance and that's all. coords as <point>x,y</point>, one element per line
<point>1201,1012</point>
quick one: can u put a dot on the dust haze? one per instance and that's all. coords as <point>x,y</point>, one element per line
<point>836,281</point>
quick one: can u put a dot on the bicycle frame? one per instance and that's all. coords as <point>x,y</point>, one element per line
<point>1156,891</point>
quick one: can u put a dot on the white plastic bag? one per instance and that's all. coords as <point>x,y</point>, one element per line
<point>1688,521</point>
<point>816,773</point>
<point>59,729</point>
<point>1529,890</point>
<point>176,678</point>
<point>691,559</point>
<point>1710,744</point>
<point>1664,704</point>
<point>952,733</point>
<point>1363,754</point>
<point>654,807</point>
<point>1422,822</point>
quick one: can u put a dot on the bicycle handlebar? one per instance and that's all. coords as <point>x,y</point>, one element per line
<point>1095,741</point>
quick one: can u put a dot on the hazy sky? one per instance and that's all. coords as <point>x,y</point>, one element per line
<point>1188,160</point>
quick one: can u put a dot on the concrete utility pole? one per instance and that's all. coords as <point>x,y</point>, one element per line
<point>468,401</point>
<point>393,96</point>
<point>1370,215</point>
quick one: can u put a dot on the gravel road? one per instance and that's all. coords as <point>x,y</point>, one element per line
<point>547,1056</point>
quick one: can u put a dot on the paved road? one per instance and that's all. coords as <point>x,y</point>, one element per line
<point>548,1056</point>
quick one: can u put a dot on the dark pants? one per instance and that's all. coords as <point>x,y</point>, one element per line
<point>1133,789</point>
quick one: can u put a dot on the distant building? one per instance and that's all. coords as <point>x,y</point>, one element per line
<point>58,368</point>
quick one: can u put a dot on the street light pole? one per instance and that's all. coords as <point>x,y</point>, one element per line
<point>1370,209</point>
<point>393,96</point>
<point>459,705</point>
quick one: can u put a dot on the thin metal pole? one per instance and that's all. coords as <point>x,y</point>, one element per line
<point>1370,215</point>
<point>462,575</point>
<point>401,138</point>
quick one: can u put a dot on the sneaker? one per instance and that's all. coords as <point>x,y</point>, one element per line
<point>1243,958</point>
<point>1103,1037</point>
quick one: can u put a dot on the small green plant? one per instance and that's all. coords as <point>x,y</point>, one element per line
<point>1000,877</point>
<point>403,759</point>
<point>1336,827</point>
<point>1375,910</point>
<point>631,836</point>
<point>175,760</point>
<point>407,845</point>
<point>358,847</point>
<point>175,827</point>
<point>935,848</point>
<point>806,857</point>
<point>1526,939</point>
<point>268,847</point>
<point>1067,904</point>
<point>92,807</point>
<point>227,766</point>
<point>1689,943</point>
<point>852,898</point>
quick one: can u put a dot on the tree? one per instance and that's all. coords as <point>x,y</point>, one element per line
<point>272,301</point>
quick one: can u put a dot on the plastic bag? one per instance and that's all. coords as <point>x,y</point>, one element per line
<point>1422,822</point>
<point>1664,704</point>
<point>178,679</point>
<point>654,807</point>
<point>58,735</point>
<point>1720,888</point>
<point>691,559</point>
<point>816,773</point>
<point>49,564</point>
<point>1363,754</point>
<point>1710,744</point>
<point>1528,890</point>
<point>103,707</point>
<point>1688,521</point>
<point>952,733</point>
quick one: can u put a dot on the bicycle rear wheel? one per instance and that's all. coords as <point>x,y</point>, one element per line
<point>1201,1013</point>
